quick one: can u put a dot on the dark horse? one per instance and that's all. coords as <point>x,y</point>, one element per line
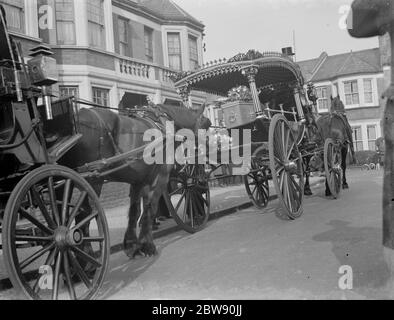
<point>335,126</point>
<point>106,134</point>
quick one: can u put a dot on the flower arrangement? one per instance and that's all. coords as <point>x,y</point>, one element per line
<point>241,93</point>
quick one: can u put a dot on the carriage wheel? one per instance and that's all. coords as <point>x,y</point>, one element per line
<point>188,198</point>
<point>55,236</point>
<point>286,166</point>
<point>332,166</point>
<point>256,182</point>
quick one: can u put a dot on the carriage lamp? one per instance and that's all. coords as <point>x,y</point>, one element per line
<point>43,73</point>
<point>300,111</point>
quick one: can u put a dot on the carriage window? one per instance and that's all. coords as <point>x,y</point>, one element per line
<point>69,91</point>
<point>96,23</point>
<point>371,130</point>
<point>148,38</point>
<point>65,21</point>
<point>14,10</point>
<point>368,91</point>
<point>101,96</point>
<point>322,103</point>
<point>193,52</point>
<point>351,92</point>
<point>357,138</point>
<point>174,51</point>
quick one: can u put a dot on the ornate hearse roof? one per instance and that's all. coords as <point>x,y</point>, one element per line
<point>219,76</point>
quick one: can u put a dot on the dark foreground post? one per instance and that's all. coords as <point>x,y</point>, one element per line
<point>373,18</point>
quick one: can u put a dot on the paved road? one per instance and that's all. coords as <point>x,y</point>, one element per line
<point>249,255</point>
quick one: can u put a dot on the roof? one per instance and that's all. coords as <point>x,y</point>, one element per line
<point>168,11</point>
<point>329,67</point>
<point>271,69</point>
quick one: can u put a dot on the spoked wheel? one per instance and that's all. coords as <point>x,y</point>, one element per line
<point>332,166</point>
<point>188,198</point>
<point>286,166</point>
<point>55,236</point>
<point>256,181</point>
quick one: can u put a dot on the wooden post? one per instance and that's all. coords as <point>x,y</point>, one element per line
<point>388,180</point>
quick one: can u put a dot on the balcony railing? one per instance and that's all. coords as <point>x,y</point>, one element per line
<point>143,71</point>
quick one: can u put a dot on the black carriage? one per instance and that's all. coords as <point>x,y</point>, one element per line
<point>284,135</point>
<point>51,247</point>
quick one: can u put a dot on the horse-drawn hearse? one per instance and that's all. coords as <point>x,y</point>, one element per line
<point>266,94</point>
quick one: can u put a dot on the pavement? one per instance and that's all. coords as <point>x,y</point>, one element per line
<point>224,201</point>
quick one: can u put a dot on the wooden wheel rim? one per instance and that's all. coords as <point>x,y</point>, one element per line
<point>286,166</point>
<point>64,253</point>
<point>332,167</point>
<point>191,211</point>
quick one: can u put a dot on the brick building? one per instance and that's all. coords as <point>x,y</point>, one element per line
<point>106,48</point>
<point>358,78</point>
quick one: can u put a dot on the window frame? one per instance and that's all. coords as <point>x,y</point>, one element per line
<point>97,98</point>
<point>123,42</point>
<point>174,54</point>
<point>100,24</point>
<point>58,20</point>
<point>356,141</point>
<point>148,43</point>
<point>20,6</point>
<point>194,63</point>
<point>321,98</point>
<point>68,89</point>
<point>368,136</point>
<point>368,92</point>
<point>352,94</point>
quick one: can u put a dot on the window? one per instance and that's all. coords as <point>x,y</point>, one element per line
<point>322,103</point>
<point>69,91</point>
<point>371,131</point>
<point>351,92</point>
<point>65,27</point>
<point>368,91</point>
<point>123,28</point>
<point>96,23</point>
<point>357,138</point>
<point>14,10</point>
<point>193,52</point>
<point>148,37</point>
<point>101,96</point>
<point>174,51</point>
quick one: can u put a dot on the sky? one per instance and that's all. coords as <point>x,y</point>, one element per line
<point>234,26</point>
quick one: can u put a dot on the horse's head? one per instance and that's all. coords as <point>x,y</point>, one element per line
<point>337,104</point>
<point>370,18</point>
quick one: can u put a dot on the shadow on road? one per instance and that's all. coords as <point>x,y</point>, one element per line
<point>361,249</point>
<point>122,274</point>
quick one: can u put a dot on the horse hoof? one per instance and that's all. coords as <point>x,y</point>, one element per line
<point>131,248</point>
<point>148,249</point>
<point>308,192</point>
<point>345,186</point>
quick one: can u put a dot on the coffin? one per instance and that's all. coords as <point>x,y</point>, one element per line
<point>238,113</point>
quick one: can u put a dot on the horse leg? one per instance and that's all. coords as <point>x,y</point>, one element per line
<point>152,195</point>
<point>131,244</point>
<point>307,187</point>
<point>343,165</point>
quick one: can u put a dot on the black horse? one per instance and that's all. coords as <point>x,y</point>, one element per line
<point>106,134</point>
<point>335,126</point>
